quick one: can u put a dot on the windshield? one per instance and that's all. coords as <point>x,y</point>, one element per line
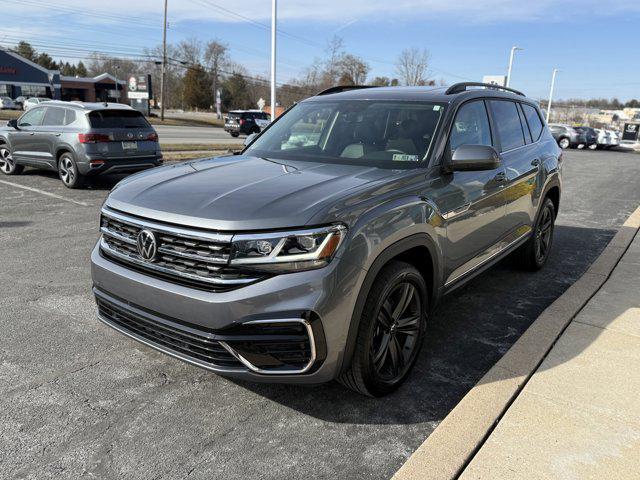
<point>365,132</point>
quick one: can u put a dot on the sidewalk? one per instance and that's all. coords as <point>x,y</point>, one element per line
<point>578,416</point>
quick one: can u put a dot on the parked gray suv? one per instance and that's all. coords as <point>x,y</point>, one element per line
<point>319,252</point>
<point>79,140</point>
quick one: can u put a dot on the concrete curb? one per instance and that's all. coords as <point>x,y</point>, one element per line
<point>449,448</point>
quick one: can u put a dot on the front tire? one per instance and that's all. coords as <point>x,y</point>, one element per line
<point>68,172</point>
<point>593,146</point>
<point>564,143</point>
<point>391,331</point>
<point>534,254</point>
<point>235,134</point>
<point>8,165</point>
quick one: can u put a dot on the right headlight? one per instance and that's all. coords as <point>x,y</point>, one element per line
<point>284,252</point>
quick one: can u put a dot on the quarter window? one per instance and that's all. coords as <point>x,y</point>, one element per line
<point>505,114</point>
<point>471,126</point>
<point>70,117</point>
<point>533,119</point>
<point>32,118</point>
<point>54,117</point>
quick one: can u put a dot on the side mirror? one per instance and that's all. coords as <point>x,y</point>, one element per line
<point>474,157</point>
<point>249,139</point>
<point>13,123</point>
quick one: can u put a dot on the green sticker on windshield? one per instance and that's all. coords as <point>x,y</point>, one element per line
<point>403,157</point>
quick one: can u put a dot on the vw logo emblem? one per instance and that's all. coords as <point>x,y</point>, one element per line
<point>147,247</point>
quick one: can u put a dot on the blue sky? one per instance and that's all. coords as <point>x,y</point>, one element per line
<point>595,44</point>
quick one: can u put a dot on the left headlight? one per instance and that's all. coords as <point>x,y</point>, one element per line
<point>284,252</point>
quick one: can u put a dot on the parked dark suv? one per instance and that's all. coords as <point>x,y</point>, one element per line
<point>79,140</point>
<point>320,251</point>
<point>245,122</point>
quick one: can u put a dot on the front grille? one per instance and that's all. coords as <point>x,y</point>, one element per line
<point>188,257</point>
<point>185,341</point>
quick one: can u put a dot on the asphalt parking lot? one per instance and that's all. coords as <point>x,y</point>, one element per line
<point>80,400</point>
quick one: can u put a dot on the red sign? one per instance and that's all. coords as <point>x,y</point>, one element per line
<point>9,70</point>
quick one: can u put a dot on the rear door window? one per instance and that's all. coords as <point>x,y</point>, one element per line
<point>507,120</point>
<point>53,117</point>
<point>117,119</point>
<point>525,127</point>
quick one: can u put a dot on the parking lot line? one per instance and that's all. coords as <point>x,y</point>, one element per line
<point>37,190</point>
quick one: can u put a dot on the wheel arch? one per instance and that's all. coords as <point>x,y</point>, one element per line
<point>418,250</point>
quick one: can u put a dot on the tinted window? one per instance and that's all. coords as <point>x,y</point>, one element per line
<point>507,120</point>
<point>525,128</point>
<point>32,118</point>
<point>53,117</point>
<point>117,119</point>
<point>70,117</point>
<point>533,119</point>
<point>362,132</point>
<point>471,126</point>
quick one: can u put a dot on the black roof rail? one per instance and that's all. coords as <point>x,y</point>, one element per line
<point>462,86</point>
<point>342,88</point>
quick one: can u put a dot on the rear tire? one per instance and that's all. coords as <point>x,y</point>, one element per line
<point>534,254</point>
<point>68,172</point>
<point>593,146</point>
<point>7,163</point>
<point>564,143</point>
<point>391,331</point>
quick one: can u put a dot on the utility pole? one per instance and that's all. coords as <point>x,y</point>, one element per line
<point>164,62</point>
<point>553,84</point>
<point>273,59</point>
<point>514,49</point>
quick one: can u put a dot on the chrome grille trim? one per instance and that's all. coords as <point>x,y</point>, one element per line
<point>193,256</point>
<point>169,229</point>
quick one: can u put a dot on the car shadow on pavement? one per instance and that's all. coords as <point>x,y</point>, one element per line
<point>469,332</point>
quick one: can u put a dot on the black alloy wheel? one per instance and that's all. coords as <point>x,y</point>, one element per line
<point>390,332</point>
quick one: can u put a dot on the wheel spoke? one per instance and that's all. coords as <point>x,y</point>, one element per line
<point>380,356</point>
<point>409,325</point>
<point>405,300</point>
<point>395,355</point>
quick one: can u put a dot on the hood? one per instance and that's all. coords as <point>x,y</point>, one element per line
<point>241,192</point>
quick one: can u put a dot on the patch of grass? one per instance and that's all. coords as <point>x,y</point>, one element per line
<point>10,114</point>
<point>187,121</point>
<point>185,156</point>
<point>192,147</point>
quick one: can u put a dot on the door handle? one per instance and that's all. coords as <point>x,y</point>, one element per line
<point>58,134</point>
<point>32,133</point>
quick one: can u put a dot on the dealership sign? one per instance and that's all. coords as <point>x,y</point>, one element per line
<point>8,70</point>
<point>138,87</point>
<point>630,132</point>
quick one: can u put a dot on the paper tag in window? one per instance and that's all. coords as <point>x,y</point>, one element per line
<point>403,157</point>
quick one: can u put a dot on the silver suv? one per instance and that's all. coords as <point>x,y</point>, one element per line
<point>79,140</point>
<point>320,251</point>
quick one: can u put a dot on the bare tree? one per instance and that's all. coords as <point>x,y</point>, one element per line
<point>412,66</point>
<point>352,70</point>
<point>334,52</point>
<point>216,58</point>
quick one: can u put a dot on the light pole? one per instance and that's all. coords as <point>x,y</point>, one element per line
<point>164,62</point>
<point>553,84</point>
<point>273,59</point>
<point>514,49</point>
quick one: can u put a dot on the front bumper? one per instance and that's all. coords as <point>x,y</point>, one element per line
<point>325,298</point>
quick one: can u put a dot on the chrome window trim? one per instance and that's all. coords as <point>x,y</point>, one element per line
<point>253,368</point>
